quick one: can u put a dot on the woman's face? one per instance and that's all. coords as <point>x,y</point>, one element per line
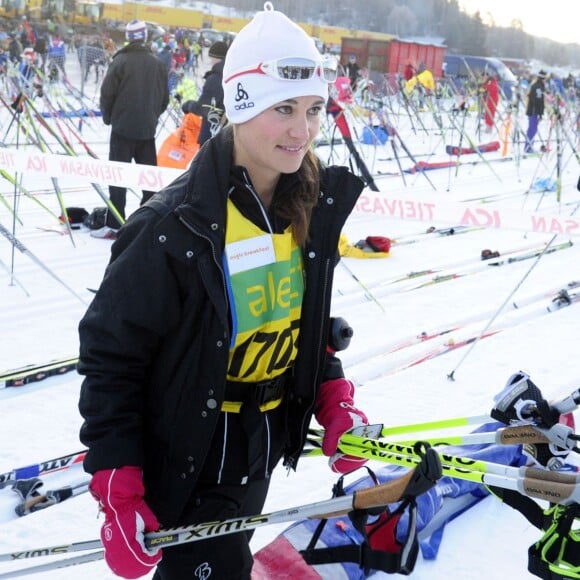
<point>276,140</point>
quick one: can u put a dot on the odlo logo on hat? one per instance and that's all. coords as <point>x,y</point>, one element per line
<point>242,95</point>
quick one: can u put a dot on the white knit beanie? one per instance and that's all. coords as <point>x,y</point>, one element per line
<point>270,35</point>
<point>136,31</point>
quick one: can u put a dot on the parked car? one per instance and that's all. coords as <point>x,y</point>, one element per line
<point>466,68</point>
<point>209,36</point>
<point>154,30</point>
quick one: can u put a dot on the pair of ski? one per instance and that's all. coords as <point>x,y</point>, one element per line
<point>561,299</point>
<point>533,252</point>
<point>410,282</point>
<point>35,373</point>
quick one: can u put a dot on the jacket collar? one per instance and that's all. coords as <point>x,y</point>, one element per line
<point>210,179</point>
<point>204,206</point>
<point>132,47</point>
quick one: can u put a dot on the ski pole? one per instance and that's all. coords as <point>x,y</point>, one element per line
<point>70,151</point>
<point>31,196</point>
<point>565,405</point>
<point>15,280</point>
<point>82,559</point>
<point>556,487</point>
<point>22,248</point>
<point>426,472</point>
<point>366,291</point>
<point>559,435</point>
<point>451,375</point>
<point>426,426</point>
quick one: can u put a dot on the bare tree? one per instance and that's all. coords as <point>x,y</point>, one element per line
<point>402,21</point>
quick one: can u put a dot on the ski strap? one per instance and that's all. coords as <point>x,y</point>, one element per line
<point>379,548</point>
<point>557,554</point>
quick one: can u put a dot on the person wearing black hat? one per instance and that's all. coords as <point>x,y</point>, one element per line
<point>210,105</point>
<point>535,109</point>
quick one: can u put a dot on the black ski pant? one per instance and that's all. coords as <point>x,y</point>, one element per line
<point>224,557</point>
<point>232,461</point>
<point>126,150</point>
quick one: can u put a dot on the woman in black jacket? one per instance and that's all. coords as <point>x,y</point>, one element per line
<point>205,349</point>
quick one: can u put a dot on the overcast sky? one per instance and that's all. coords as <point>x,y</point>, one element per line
<point>555,19</point>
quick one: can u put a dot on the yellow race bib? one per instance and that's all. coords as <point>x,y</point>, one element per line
<point>266,286</point>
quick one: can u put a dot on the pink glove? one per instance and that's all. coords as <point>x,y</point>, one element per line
<point>336,412</point>
<point>127,518</point>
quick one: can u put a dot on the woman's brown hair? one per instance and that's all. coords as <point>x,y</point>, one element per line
<point>298,207</point>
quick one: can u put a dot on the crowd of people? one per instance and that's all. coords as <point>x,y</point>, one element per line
<point>48,45</point>
<point>37,55</point>
<point>536,93</point>
<point>32,54</point>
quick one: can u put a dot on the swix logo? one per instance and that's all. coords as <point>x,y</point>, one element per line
<point>203,571</point>
<point>242,95</point>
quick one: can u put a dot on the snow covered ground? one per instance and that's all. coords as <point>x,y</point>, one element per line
<point>39,318</point>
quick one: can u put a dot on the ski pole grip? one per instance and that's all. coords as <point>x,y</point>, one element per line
<point>383,494</point>
<point>521,434</point>
<point>560,493</point>
<point>551,476</point>
<point>552,486</point>
<point>414,483</point>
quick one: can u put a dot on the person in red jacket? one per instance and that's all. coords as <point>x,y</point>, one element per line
<point>409,71</point>
<point>490,89</point>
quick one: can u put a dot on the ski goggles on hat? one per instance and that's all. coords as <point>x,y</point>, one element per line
<point>294,69</point>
